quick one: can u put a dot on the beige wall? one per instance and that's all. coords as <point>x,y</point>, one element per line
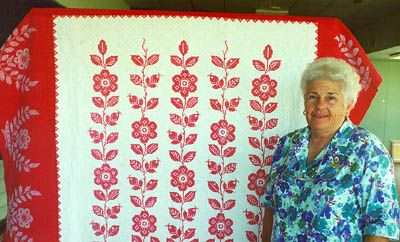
<point>397,177</point>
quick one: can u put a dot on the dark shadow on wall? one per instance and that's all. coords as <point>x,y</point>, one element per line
<point>12,12</point>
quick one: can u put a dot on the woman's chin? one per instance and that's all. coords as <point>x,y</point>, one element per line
<point>319,124</point>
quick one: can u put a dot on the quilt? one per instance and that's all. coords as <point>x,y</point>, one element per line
<point>153,126</point>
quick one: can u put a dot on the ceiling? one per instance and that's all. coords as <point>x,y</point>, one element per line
<point>355,14</point>
<point>375,23</point>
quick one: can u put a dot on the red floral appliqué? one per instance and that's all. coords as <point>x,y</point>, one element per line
<point>220,227</point>
<point>105,83</point>
<point>257,182</point>
<point>264,88</point>
<point>184,83</point>
<point>144,223</point>
<point>182,178</point>
<point>144,130</point>
<point>103,137</point>
<point>222,132</point>
<point>105,176</point>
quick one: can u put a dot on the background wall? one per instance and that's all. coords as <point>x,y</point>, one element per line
<point>383,117</point>
<point>105,4</point>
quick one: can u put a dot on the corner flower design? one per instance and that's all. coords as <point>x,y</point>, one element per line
<point>105,176</point>
<point>144,130</point>
<point>22,139</point>
<point>184,83</point>
<point>14,138</point>
<point>22,58</point>
<point>144,223</point>
<point>257,182</point>
<point>105,82</point>
<point>24,218</point>
<point>222,132</point>
<point>182,178</point>
<point>264,87</point>
<point>220,227</point>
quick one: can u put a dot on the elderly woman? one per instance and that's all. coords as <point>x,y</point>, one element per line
<point>332,180</point>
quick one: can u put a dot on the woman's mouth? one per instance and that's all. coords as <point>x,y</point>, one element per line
<point>320,116</point>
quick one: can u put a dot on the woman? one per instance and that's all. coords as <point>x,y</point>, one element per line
<point>330,181</point>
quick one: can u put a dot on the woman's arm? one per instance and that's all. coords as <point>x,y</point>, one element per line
<point>370,238</point>
<point>379,199</point>
<point>267,226</point>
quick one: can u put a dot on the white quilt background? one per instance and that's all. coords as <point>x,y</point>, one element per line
<point>76,38</point>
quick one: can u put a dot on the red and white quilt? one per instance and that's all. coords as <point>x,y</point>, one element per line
<point>153,126</point>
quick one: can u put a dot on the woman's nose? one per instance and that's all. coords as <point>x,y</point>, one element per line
<point>320,102</point>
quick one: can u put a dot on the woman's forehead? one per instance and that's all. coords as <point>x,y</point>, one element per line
<point>325,86</point>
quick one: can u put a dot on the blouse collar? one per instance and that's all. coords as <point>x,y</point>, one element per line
<point>341,138</point>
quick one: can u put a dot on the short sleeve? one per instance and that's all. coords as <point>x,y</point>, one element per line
<point>380,200</point>
<point>277,160</point>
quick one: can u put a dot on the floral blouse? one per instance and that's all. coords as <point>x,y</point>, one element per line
<point>347,192</point>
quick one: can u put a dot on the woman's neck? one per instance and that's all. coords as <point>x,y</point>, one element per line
<point>318,141</point>
<point>316,136</point>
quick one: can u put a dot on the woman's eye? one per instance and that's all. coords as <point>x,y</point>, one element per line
<point>331,98</point>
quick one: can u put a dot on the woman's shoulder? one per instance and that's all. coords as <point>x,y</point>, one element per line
<point>287,141</point>
<point>363,135</point>
<point>368,145</point>
<point>296,134</point>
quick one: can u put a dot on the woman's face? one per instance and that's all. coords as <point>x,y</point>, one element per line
<point>325,106</point>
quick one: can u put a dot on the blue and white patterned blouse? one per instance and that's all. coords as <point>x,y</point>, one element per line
<point>347,192</point>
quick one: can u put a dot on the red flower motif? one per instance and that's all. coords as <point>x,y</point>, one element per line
<point>223,132</point>
<point>144,223</point>
<point>144,130</point>
<point>182,178</point>
<point>264,87</point>
<point>105,176</point>
<point>105,82</point>
<point>220,226</point>
<point>184,83</point>
<point>257,182</point>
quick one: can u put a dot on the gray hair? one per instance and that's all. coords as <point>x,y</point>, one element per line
<point>335,70</point>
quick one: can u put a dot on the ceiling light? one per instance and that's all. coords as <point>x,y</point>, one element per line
<point>270,8</point>
<point>395,56</point>
<point>272,11</point>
